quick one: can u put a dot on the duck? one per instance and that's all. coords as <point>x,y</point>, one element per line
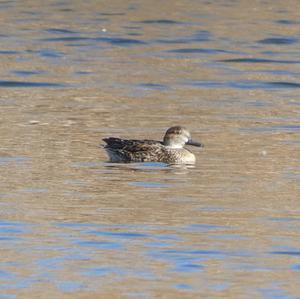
<point>171,150</point>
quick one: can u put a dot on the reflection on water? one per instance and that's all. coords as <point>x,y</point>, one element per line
<point>74,225</point>
<point>109,254</point>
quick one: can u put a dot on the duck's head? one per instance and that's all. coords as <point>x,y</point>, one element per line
<point>178,137</point>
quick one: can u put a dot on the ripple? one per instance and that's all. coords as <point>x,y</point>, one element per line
<point>152,86</point>
<point>292,253</point>
<point>65,39</point>
<point>197,51</point>
<point>27,73</point>
<point>118,234</point>
<point>83,73</point>
<point>259,60</point>
<point>283,84</point>
<point>246,84</point>
<point>184,260</point>
<point>60,31</point>
<point>11,231</point>
<point>50,53</point>
<point>9,52</point>
<point>13,84</point>
<point>162,22</point>
<point>199,36</point>
<point>287,127</point>
<point>120,41</point>
<point>278,41</point>
<point>112,14</point>
<point>287,22</point>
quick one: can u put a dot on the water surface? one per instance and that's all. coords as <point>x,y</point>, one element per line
<point>74,225</point>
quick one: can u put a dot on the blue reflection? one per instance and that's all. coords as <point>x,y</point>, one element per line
<point>149,184</point>
<point>187,267</point>
<point>119,234</point>
<point>102,245</point>
<point>183,286</point>
<point>7,296</point>
<point>5,160</point>
<point>295,267</point>
<point>99,271</point>
<point>275,292</point>
<point>70,286</point>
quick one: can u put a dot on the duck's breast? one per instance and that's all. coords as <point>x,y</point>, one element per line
<point>180,156</point>
<point>188,157</point>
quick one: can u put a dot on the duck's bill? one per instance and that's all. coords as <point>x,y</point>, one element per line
<point>194,143</point>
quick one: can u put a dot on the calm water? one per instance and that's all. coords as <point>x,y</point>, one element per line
<point>75,226</point>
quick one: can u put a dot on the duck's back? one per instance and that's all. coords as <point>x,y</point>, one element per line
<point>118,143</point>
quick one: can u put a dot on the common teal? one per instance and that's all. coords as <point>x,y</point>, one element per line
<point>171,150</point>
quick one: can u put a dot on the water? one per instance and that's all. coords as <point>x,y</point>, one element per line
<point>73,225</point>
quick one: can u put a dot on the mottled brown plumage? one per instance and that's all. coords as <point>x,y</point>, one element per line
<point>170,151</point>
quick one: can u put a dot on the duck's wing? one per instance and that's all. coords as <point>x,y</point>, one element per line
<point>134,150</point>
<point>118,143</point>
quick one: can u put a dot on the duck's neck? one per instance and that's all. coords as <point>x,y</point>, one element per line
<point>174,146</point>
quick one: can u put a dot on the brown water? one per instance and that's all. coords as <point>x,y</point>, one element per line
<point>75,226</point>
